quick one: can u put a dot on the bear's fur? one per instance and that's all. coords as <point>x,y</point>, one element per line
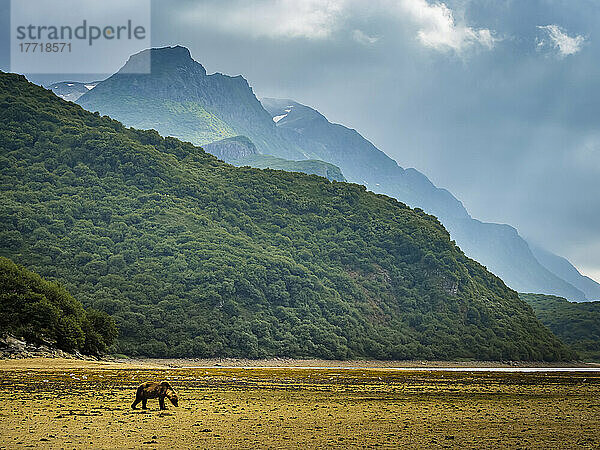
<point>152,389</point>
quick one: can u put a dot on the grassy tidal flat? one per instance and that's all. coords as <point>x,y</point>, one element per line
<point>78,404</point>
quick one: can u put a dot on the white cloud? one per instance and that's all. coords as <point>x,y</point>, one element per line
<point>561,41</point>
<point>436,25</point>
<point>363,38</point>
<point>439,30</point>
<point>311,19</point>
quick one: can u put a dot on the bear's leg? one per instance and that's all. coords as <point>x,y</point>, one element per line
<point>138,397</point>
<point>144,403</point>
<point>161,402</point>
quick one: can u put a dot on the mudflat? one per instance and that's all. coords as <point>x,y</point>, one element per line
<point>86,404</point>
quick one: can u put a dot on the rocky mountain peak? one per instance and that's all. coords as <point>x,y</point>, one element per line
<point>160,60</point>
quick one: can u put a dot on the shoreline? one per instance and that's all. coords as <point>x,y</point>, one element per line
<point>337,364</point>
<point>42,363</point>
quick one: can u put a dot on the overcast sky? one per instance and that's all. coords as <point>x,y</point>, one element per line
<point>496,101</point>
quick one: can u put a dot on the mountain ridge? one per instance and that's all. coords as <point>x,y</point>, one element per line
<point>563,267</point>
<point>194,257</point>
<point>497,246</point>
<point>241,151</point>
<point>72,90</point>
<point>209,101</point>
<point>304,133</point>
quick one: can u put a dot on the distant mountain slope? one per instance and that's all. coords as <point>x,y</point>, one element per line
<point>565,270</point>
<point>308,166</point>
<point>178,98</point>
<point>195,257</point>
<point>498,247</point>
<point>232,149</point>
<point>240,151</point>
<point>577,324</point>
<point>72,90</point>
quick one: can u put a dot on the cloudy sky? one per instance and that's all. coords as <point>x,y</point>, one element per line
<point>496,101</point>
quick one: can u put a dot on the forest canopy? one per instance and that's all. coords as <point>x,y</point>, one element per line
<point>41,311</point>
<point>193,257</point>
<point>576,324</point>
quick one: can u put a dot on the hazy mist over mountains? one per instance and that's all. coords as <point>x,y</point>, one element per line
<point>507,124</point>
<point>193,257</point>
<point>493,106</point>
<point>179,99</point>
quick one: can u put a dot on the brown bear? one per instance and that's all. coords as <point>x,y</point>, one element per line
<point>154,390</point>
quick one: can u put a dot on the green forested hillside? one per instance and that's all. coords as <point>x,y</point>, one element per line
<point>577,324</point>
<point>178,98</point>
<point>44,312</point>
<point>194,257</point>
<point>497,246</point>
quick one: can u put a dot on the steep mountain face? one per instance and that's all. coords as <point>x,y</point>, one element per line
<point>564,269</point>
<point>508,255</point>
<point>498,247</point>
<point>240,151</point>
<point>360,161</point>
<point>178,98</point>
<point>72,90</point>
<point>195,257</point>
